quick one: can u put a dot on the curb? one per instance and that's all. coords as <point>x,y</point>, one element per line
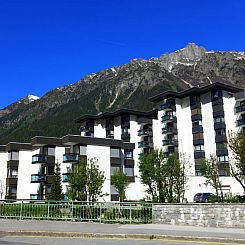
<point>119,236</point>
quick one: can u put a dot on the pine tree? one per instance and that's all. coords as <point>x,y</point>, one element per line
<point>56,187</point>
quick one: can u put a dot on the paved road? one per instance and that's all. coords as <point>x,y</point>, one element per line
<point>68,229</point>
<point>79,241</point>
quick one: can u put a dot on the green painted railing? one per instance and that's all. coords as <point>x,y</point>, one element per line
<point>103,212</point>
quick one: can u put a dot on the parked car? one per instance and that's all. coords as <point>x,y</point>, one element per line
<point>205,197</point>
<point>241,198</point>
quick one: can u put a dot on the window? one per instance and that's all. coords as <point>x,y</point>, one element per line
<point>196,111</point>
<point>170,101</point>
<point>129,171</point>
<point>199,148</point>
<point>83,150</point>
<point>67,150</point>
<point>47,189</point>
<point>12,189</point>
<point>125,119</point>
<point>198,173</point>
<point>194,99</point>
<point>13,155</point>
<point>115,168</point>
<point>51,151</point>
<point>197,136</point>
<point>50,170</point>
<point>76,149</point>
<point>242,103</point>
<point>220,132</point>
<point>115,152</point>
<point>13,173</point>
<point>171,113</point>
<point>216,95</point>
<point>196,123</point>
<point>128,153</point>
<point>222,145</point>
<point>113,190</point>
<point>223,159</point>
<point>220,119</point>
<point>125,131</point>
<point>109,122</point>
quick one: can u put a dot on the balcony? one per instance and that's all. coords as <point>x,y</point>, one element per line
<point>170,142</point>
<point>168,107</point>
<point>168,153</point>
<point>71,157</point>
<point>197,129</point>
<point>217,101</point>
<point>169,118</point>
<point>240,109</point>
<point>220,138</point>
<point>35,197</point>
<point>169,130</point>
<point>65,177</point>
<point>110,135</point>
<point>87,128</point>
<point>199,154</point>
<point>39,158</point>
<point>38,178</point>
<point>125,137</point>
<point>196,117</point>
<point>125,124</point>
<point>195,104</point>
<point>144,132</point>
<point>241,122</point>
<point>145,144</point>
<point>221,152</point>
<point>219,125</point>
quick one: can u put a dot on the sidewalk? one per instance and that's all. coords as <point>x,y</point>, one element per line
<point>10,227</point>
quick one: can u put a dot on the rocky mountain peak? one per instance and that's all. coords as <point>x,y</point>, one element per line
<point>187,56</point>
<point>129,85</point>
<point>29,98</point>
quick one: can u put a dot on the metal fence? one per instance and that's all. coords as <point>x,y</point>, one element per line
<point>102,212</point>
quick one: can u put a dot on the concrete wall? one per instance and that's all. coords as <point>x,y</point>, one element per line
<point>185,139</point>
<point>25,170</point>
<point>208,125</point>
<point>3,173</point>
<point>212,215</point>
<point>99,128</point>
<point>102,153</point>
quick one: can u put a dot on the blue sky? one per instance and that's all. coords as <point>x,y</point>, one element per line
<point>49,43</point>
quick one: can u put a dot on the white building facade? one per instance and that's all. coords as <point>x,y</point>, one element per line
<point>194,123</point>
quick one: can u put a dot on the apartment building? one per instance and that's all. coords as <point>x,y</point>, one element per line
<point>27,169</point>
<point>194,124</point>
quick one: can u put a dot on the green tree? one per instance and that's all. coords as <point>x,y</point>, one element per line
<point>56,187</point>
<point>174,171</point>
<point>165,178</point>
<point>77,181</point>
<point>210,169</point>
<point>95,180</point>
<point>120,181</point>
<point>151,175</point>
<point>86,181</point>
<point>237,146</point>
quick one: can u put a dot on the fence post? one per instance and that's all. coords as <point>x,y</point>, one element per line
<point>100,212</point>
<point>130,213</point>
<point>21,207</point>
<point>48,210</point>
<point>152,213</point>
<point>72,211</point>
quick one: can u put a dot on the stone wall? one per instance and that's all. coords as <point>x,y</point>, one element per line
<point>212,215</point>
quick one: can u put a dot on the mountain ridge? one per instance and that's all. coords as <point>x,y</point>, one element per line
<point>128,85</point>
